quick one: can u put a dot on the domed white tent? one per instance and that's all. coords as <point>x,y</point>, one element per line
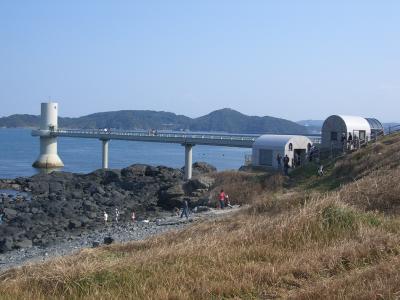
<point>336,126</point>
<point>267,147</point>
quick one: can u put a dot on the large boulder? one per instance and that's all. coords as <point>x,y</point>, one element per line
<point>74,223</point>
<point>39,187</point>
<point>198,184</point>
<point>55,187</point>
<point>171,196</point>
<point>24,243</point>
<point>9,213</point>
<point>134,171</point>
<point>6,244</point>
<point>203,168</point>
<point>104,176</point>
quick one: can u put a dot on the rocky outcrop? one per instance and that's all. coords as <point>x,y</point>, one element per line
<point>203,168</point>
<point>60,204</point>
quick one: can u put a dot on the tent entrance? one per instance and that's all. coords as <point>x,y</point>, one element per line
<point>299,157</point>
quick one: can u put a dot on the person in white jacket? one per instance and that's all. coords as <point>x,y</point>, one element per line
<point>105,217</point>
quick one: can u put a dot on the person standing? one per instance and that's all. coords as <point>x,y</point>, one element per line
<point>344,141</point>
<point>286,165</point>
<point>350,141</point>
<point>279,160</point>
<point>116,214</point>
<point>133,216</point>
<point>227,201</point>
<point>222,199</point>
<point>105,217</point>
<point>185,209</point>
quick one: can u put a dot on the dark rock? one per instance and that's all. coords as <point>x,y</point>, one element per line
<point>62,203</point>
<point>199,209</point>
<point>203,168</point>
<point>9,213</point>
<point>152,171</point>
<point>134,171</point>
<point>25,243</point>
<point>108,240</point>
<point>74,224</point>
<point>6,244</point>
<point>106,176</point>
<point>202,183</point>
<point>171,196</point>
<point>55,187</point>
<point>39,187</point>
<point>95,244</point>
<point>77,194</point>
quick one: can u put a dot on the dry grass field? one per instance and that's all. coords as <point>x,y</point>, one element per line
<point>335,237</point>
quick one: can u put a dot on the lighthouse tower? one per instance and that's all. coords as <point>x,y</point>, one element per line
<point>48,157</point>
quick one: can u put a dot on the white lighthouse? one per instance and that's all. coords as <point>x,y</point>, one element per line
<point>48,157</point>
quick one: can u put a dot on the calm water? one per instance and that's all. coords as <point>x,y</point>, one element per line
<point>18,150</point>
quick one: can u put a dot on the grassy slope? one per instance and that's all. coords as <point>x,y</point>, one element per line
<point>306,240</point>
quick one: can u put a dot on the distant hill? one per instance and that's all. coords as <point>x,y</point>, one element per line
<point>229,120</point>
<point>223,120</point>
<point>20,121</point>
<point>128,119</point>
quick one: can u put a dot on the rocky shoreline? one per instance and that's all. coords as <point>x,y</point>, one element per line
<point>63,207</point>
<point>123,232</point>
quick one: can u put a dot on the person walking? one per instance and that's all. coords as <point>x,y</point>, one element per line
<point>222,199</point>
<point>185,209</point>
<point>286,165</point>
<point>105,217</point>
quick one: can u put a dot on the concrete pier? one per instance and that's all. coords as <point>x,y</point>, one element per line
<point>48,157</point>
<point>105,153</point>
<point>188,161</point>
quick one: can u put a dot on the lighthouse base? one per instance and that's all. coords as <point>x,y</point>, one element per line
<point>48,161</point>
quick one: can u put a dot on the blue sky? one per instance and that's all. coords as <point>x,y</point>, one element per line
<point>290,59</point>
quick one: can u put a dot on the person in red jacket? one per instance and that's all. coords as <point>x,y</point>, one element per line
<point>222,199</point>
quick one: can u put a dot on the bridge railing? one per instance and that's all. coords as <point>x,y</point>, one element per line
<point>316,139</point>
<point>104,133</point>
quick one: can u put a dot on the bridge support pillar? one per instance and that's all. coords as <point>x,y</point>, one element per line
<point>48,157</point>
<point>105,154</point>
<point>188,161</point>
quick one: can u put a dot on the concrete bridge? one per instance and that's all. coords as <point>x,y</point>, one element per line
<point>49,133</point>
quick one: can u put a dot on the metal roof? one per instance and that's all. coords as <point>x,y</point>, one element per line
<point>375,124</point>
<point>355,123</point>
<point>272,141</point>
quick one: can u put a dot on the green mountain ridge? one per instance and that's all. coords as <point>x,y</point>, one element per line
<point>223,120</point>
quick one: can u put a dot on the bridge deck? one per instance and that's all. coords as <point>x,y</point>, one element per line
<point>227,140</point>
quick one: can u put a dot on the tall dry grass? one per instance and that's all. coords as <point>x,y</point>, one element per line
<point>258,254</point>
<point>244,187</point>
<point>379,191</point>
<point>384,153</point>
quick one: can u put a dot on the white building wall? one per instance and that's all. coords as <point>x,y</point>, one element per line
<point>278,144</point>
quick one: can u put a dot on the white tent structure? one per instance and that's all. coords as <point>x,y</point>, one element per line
<point>336,126</point>
<point>267,147</point>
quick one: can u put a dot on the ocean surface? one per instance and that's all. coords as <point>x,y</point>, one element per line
<point>18,150</point>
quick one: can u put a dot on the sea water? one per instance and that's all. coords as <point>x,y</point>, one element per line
<point>18,150</point>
